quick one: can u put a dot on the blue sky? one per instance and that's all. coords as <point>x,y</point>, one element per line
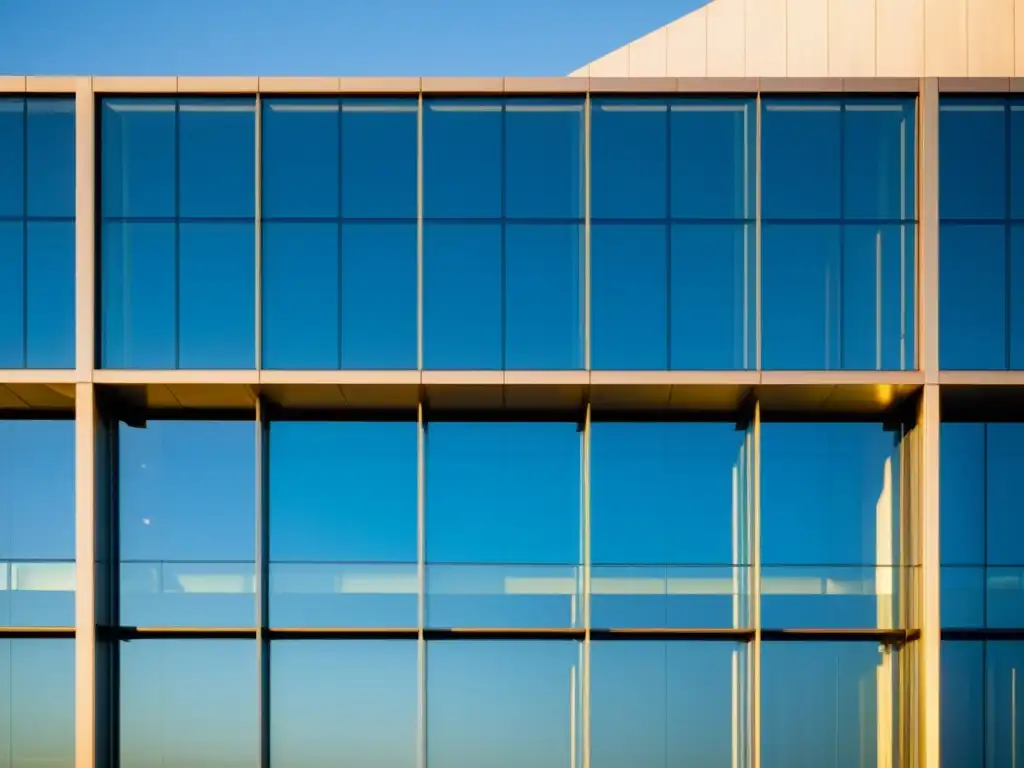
<point>321,37</point>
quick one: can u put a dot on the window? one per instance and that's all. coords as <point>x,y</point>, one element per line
<point>831,523</point>
<point>187,510</point>
<point>37,233</point>
<point>37,703</point>
<point>838,249</point>
<point>178,234</point>
<point>344,703</point>
<point>670,524</point>
<point>525,714</point>
<point>339,249</point>
<point>37,523</point>
<point>189,702</point>
<point>343,540</point>
<point>503,234</point>
<point>503,513</point>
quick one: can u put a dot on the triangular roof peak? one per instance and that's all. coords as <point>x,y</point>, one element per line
<point>829,38</point>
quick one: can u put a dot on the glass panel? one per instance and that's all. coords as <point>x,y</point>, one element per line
<point>629,156</point>
<point>544,285</point>
<point>544,161</point>
<point>801,287</point>
<point>139,158</point>
<point>12,157</point>
<point>37,708</point>
<point>629,297</point>
<point>1016,169</point>
<point>878,159</point>
<point>962,592</point>
<point>462,158</point>
<point>963,703</point>
<point>819,597</point>
<point>347,703</point>
<point>378,296</point>
<point>526,714</point>
<point>50,153</point>
<point>1014,293</point>
<point>663,704</point>
<point>189,703</point>
<point>974,158</point>
<point>1004,462</point>
<point>217,302</point>
<point>300,142</point>
<point>712,303</point>
<point>712,159</point>
<point>379,158</point>
<point>962,494</point>
<point>217,163</point>
<point>187,521</point>
<point>801,160</point>
<point>972,297</point>
<point>462,287</point>
<point>829,703</point>
<point>343,516</point>
<point>50,293</point>
<point>138,306</point>
<point>300,295</point>
<point>12,292</point>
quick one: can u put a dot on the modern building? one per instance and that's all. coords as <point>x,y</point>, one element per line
<point>666,414</point>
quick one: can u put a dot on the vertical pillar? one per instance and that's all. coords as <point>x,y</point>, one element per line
<point>755,601</point>
<point>258,223</point>
<point>419,231</point>
<point>85,226</point>
<point>421,646</point>
<point>585,597</point>
<point>262,580</point>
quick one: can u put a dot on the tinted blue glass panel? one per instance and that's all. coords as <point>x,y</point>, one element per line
<point>189,703</point>
<point>523,716</point>
<point>50,290</point>
<point>801,159</point>
<point>37,706</point>
<point>300,141</point>
<point>216,301</point>
<point>139,319</point>
<point>50,151</point>
<point>300,295</point>
<point>663,704</point>
<point>1016,169</point>
<point>831,597</point>
<point>629,296</point>
<point>217,157</point>
<point>462,307</point>
<point>544,284</point>
<point>829,494</point>
<point>346,703</point>
<point>462,158</point>
<point>544,160</point>
<point>12,294</point>
<point>139,157</point>
<point>503,493</point>
<point>187,523</point>
<point>963,593</point>
<point>974,159</point>
<point>12,157</point>
<point>1004,459</point>
<point>378,295</point>
<point>962,489</point>
<point>712,159</point>
<point>800,289</point>
<point>1015,292</point>
<point>712,302</point>
<point>972,297</point>
<point>963,703</point>
<point>378,158</point>
<point>629,156</point>
<point>1004,664</point>
<point>820,700</point>
<point>878,159</point>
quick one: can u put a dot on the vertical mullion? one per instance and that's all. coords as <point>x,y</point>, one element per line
<point>86,186</point>
<point>421,648</point>
<point>757,232</point>
<point>262,579</point>
<point>341,108</point>
<point>177,233</point>
<point>24,233</point>
<point>419,230</point>
<point>585,671</point>
<point>587,106</point>
<point>258,224</point>
<point>755,660</point>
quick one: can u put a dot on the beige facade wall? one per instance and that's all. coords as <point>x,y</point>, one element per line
<point>829,38</point>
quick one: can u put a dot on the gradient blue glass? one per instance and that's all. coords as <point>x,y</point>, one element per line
<point>629,158</point>
<point>462,296</point>
<point>343,493</point>
<point>544,284</point>
<point>974,158</point>
<point>50,158</point>
<point>37,523</point>
<point>879,164</point>
<point>138,158</point>
<point>462,158</point>
<point>819,703</point>
<point>544,159</point>
<point>712,290</point>
<point>12,157</point>
<point>189,703</point>
<point>37,703</point>
<point>663,704</point>
<point>187,523</point>
<point>379,158</point>
<point>629,283</point>
<point>216,158</point>
<point>12,294</point>
<point>347,703</point>
<point>1015,288</point>
<point>300,145</point>
<point>50,294</point>
<point>522,716</point>
<point>801,159</point>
